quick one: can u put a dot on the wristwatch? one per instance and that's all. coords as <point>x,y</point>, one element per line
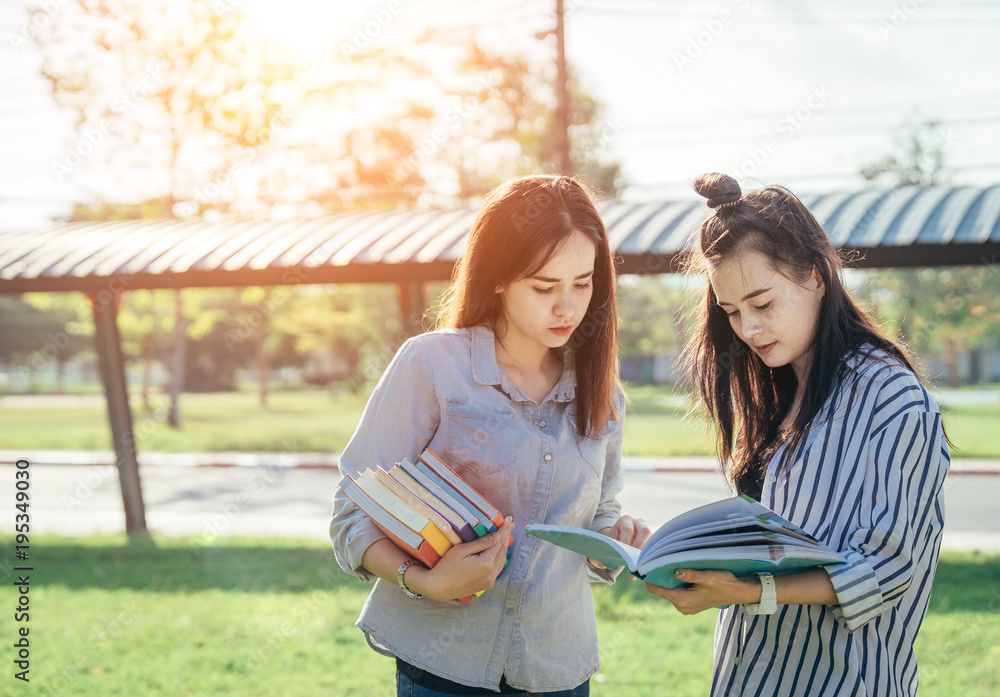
<point>399,578</point>
<point>768,596</point>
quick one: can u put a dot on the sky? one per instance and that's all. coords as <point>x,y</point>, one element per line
<point>802,93</point>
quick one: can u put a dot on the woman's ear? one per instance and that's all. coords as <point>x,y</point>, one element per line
<point>817,278</point>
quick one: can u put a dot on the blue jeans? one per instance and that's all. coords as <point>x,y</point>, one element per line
<point>407,688</point>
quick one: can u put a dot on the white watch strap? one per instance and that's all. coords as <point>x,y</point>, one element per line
<point>768,596</point>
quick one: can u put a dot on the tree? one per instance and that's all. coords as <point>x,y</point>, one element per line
<point>164,85</point>
<point>359,324</point>
<point>652,313</point>
<point>919,159</point>
<point>933,309</point>
<point>462,119</point>
<point>168,87</point>
<point>42,329</point>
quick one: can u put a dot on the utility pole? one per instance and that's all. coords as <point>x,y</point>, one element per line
<point>562,95</point>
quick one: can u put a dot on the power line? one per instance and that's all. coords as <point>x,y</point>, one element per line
<point>660,12</point>
<point>799,132</point>
<point>850,110</point>
<point>948,169</point>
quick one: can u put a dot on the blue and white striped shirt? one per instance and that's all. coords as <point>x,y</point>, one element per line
<point>868,481</point>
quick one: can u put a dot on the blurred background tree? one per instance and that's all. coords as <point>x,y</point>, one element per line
<point>932,309</point>
<point>178,95</point>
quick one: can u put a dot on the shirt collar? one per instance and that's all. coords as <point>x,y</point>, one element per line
<point>485,370</point>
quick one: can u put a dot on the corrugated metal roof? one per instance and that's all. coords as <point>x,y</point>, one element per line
<point>907,226</point>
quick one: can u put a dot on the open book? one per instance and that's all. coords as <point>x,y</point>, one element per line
<point>424,507</point>
<point>738,535</point>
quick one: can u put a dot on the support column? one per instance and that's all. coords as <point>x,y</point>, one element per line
<point>412,304</point>
<point>109,351</point>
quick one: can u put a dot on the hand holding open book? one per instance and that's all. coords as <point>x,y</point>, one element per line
<point>738,535</point>
<point>425,508</point>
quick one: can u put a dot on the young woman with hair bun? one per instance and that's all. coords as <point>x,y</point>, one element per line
<point>520,394</point>
<point>821,417</point>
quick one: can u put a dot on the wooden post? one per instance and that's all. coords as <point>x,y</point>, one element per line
<point>412,304</point>
<point>109,351</point>
<point>562,95</point>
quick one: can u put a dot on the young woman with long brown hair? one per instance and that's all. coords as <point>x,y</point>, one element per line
<point>519,393</point>
<point>822,418</point>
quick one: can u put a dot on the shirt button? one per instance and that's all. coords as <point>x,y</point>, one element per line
<point>541,424</point>
<point>548,457</point>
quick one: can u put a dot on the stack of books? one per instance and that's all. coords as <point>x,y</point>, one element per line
<point>425,507</point>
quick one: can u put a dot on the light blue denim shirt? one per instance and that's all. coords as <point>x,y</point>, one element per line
<point>445,391</point>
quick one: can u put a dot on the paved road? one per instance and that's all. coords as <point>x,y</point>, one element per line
<point>273,501</point>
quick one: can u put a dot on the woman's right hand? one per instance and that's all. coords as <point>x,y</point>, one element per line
<point>464,569</point>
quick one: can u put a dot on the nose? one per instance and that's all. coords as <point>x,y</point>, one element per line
<point>564,305</point>
<point>751,326</point>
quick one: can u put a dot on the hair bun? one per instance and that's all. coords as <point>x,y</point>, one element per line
<point>719,189</point>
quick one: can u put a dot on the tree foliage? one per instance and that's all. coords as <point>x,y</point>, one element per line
<point>174,98</point>
<point>167,93</point>
<point>934,310</point>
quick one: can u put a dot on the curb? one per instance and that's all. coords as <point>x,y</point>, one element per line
<point>330,461</point>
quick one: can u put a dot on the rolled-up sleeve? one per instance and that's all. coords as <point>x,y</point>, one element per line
<point>398,422</point>
<point>901,513</point>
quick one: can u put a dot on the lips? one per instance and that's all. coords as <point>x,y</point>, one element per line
<point>765,348</point>
<point>561,331</point>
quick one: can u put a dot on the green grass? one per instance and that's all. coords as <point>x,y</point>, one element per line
<point>268,617</point>
<point>657,423</point>
<point>973,429</point>
<point>314,420</point>
<point>297,421</point>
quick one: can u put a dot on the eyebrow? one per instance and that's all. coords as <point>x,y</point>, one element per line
<point>546,279</point>
<point>754,294</point>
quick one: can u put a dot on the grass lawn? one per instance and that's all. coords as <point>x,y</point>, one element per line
<point>304,421</point>
<point>270,617</point>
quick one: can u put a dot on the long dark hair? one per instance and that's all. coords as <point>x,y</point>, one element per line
<point>735,385</point>
<point>520,226</point>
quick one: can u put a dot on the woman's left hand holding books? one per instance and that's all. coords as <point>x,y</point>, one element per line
<point>464,569</point>
<point>631,531</point>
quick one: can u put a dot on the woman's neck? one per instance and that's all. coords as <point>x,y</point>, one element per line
<point>534,372</point>
<point>529,359</point>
